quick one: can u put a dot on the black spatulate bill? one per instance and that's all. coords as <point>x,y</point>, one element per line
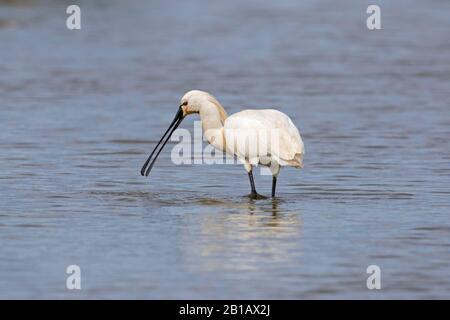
<point>175,123</point>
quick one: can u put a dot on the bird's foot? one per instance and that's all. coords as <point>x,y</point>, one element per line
<point>256,196</point>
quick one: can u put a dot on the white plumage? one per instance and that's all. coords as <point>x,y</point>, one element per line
<point>256,137</point>
<point>272,131</point>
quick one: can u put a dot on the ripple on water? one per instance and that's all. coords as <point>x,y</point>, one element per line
<point>76,130</point>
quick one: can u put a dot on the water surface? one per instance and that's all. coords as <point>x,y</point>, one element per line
<point>81,110</point>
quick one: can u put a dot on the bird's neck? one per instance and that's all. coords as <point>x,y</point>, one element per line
<point>213,117</point>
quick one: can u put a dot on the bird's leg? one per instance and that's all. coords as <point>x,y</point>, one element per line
<point>275,169</point>
<point>252,184</point>
<point>253,193</point>
<point>274,185</point>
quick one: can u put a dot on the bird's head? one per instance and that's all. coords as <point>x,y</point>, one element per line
<point>189,103</point>
<point>192,101</point>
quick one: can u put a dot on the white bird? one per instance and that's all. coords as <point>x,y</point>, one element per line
<point>256,137</point>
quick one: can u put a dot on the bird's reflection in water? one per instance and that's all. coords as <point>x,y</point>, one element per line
<point>253,206</point>
<point>241,235</point>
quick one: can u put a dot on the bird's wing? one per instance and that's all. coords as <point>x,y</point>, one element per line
<point>255,126</point>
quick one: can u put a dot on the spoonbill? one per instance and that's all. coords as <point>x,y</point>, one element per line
<point>236,134</point>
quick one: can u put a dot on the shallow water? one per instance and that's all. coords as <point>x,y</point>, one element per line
<point>81,110</point>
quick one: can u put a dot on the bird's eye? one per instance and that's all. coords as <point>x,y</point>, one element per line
<point>184,103</point>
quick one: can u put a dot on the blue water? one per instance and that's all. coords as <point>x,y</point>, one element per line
<point>81,110</point>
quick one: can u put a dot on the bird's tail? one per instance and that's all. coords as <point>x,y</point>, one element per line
<point>296,162</point>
